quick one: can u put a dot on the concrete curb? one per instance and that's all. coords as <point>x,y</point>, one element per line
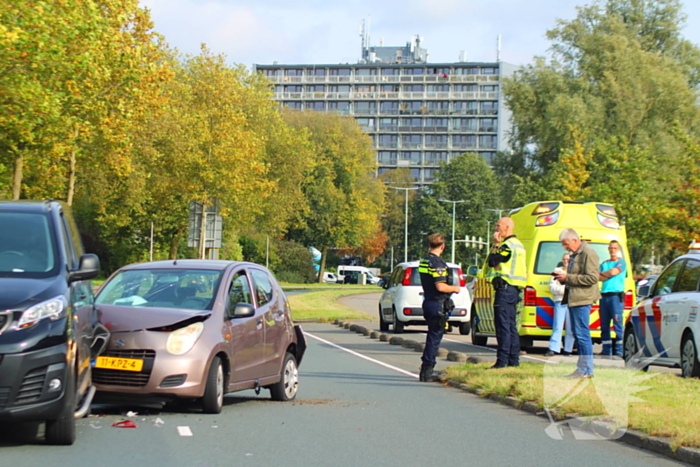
<point>634,438</point>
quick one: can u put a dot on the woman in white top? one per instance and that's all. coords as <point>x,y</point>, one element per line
<point>561,316</point>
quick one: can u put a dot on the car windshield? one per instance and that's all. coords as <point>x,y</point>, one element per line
<point>549,255</point>
<point>26,246</point>
<point>192,289</point>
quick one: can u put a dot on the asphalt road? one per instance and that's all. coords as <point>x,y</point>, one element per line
<point>359,404</point>
<point>453,341</point>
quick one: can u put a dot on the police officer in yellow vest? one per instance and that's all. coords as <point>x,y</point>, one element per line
<point>508,276</point>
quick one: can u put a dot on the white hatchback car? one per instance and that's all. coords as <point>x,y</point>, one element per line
<point>401,303</point>
<point>664,328</point>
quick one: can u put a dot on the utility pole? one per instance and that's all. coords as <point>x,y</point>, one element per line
<point>405,229</point>
<point>454,204</point>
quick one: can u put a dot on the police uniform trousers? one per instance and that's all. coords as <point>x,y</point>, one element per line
<point>504,308</point>
<point>431,308</point>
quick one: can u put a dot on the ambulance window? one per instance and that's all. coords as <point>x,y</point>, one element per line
<point>548,256</point>
<point>688,282</point>
<point>664,284</point>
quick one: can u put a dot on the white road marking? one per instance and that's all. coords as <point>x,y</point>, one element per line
<point>391,367</point>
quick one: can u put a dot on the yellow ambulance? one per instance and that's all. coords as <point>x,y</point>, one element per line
<point>537,226</point>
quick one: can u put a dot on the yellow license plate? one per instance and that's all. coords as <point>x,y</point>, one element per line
<point>125,364</point>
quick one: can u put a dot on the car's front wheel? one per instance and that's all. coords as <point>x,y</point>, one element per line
<point>630,350</point>
<point>213,399</point>
<point>689,357</point>
<point>61,432</point>
<point>288,385</point>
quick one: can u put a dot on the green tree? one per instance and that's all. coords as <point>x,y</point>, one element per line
<point>345,199</point>
<point>616,102</point>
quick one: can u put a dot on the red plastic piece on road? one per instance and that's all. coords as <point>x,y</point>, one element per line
<point>125,424</point>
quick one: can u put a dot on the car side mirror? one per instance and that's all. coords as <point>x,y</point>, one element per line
<point>473,271</point>
<point>644,290</point>
<point>89,268</point>
<point>243,310</point>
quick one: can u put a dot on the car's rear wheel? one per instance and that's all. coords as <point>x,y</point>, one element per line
<point>477,340</point>
<point>465,328</point>
<point>398,325</point>
<point>689,357</point>
<point>630,349</point>
<point>213,399</point>
<point>383,325</point>
<point>61,432</point>
<point>288,385</point>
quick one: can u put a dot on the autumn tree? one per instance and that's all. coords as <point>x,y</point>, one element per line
<point>345,199</point>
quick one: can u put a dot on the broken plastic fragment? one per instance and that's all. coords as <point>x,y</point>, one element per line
<point>125,424</point>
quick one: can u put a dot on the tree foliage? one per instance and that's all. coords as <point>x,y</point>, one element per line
<point>616,102</point>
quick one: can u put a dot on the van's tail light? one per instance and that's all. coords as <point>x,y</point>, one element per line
<point>462,280</point>
<point>530,296</point>
<point>407,276</point>
<point>628,300</point>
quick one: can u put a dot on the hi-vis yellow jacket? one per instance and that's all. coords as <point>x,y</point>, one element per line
<point>514,271</point>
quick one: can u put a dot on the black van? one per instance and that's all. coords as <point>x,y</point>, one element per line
<point>49,331</point>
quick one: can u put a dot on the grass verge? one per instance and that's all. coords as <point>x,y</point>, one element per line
<point>323,306</point>
<point>659,404</point>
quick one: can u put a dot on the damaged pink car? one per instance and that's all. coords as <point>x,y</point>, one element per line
<point>197,329</point>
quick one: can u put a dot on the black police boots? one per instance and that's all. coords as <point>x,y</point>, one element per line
<point>427,374</point>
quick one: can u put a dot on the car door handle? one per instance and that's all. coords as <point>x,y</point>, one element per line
<point>420,293</point>
<point>259,321</point>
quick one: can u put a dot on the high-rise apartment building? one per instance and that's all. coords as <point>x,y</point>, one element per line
<point>418,113</point>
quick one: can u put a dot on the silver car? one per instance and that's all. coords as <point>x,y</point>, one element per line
<point>197,329</point>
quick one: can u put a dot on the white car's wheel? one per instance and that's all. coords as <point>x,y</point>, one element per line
<point>398,325</point>
<point>383,325</point>
<point>630,348</point>
<point>689,357</point>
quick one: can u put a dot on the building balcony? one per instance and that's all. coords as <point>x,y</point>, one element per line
<point>436,145</point>
<point>387,95</point>
<point>312,79</point>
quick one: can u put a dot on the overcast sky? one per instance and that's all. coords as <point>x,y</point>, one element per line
<point>327,31</point>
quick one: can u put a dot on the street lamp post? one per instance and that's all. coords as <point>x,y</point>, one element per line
<point>454,204</point>
<point>405,228</point>
<point>499,211</point>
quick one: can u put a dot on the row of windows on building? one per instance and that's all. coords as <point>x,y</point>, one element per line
<point>427,174</point>
<point>435,141</point>
<point>364,87</point>
<point>408,158</point>
<point>400,107</point>
<point>382,71</point>
<point>428,124</point>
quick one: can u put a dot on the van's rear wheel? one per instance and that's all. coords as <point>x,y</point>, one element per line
<point>477,340</point>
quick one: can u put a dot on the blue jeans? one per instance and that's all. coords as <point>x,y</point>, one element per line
<point>431,308</point>
<point>580,323</point>
<point>561,316</point>
<point>611,310</point>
